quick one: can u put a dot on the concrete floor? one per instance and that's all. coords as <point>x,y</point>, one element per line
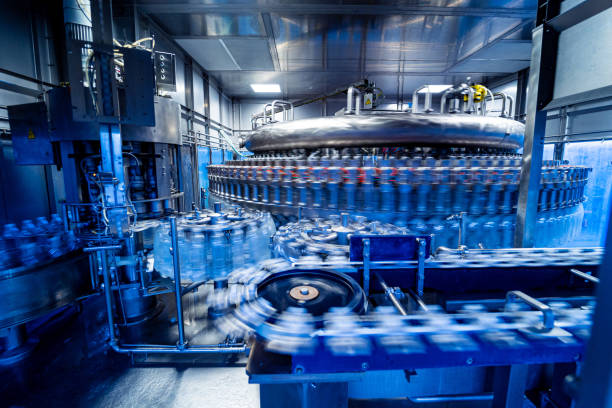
<point>170,387</point>
<point>72,367</point>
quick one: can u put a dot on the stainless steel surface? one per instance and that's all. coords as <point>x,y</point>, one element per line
<point>167,125</point>
<point>584,276</point>
<point>399,129</point>
<point>594,388</point>
<point>577,43</point>
<point>177,283</point>
<point>535,126</point>
<point>308,48</point>
<point>29,292</point>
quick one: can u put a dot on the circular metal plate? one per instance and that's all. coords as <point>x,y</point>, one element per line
<point>399,129</point>
<point>333,290</point>
<point>304,293</point>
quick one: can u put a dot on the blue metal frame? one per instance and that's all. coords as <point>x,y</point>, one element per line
<point>388,247</point>
<point>430,356</point>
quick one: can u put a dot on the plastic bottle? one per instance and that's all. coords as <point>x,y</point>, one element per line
<point>197,256</point>
<point>218,248</point>
<point>161,251</point>
<point>29,248</point>
<point>251,244</point>
<point>184,244</point>
<point>237,248</point>
<point>10,236</point>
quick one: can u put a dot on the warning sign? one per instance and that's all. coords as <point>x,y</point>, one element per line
<point>368,98</point>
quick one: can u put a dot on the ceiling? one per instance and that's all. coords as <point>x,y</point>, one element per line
<point>313,47</point>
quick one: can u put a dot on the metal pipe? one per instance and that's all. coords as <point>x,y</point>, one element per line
<point>548,317</point>
<point>291,109</point>
<point>443,100</point>
<point>418,300</point>
<point>583,275</point>
<point>273,113</point>
<point>284,105</point>
<point>389,292</point>
<point>144,349</point>
<point>427,106</point>
<point>415,98</point>
<point>421,266</point>
<point>349,101</point>
<point>265,113</point>
<point>504,97</point>
<point>462,216</point>
<point>470,102</point>
<point>484,100</point>
<point>452,398</point>
<point>366,266</point>
<point>510,105</point>
<point>102,248</point>
<point>177,283</point>
<point>109,299</point>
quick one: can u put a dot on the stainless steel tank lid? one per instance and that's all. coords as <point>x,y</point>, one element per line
<point>388,130</point>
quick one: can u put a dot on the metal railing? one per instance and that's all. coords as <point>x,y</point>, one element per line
<point>182,345</point>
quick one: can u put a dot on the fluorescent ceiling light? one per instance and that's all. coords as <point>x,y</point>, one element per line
<point>433,88</point>
<point>266,88</point>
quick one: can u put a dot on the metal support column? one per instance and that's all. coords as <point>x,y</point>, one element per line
<point>564,124</point>
<point>521,94</point>
<point>177,284</point>
<point>596,382</point>
<point>509,386</point>
<point>539,93</point>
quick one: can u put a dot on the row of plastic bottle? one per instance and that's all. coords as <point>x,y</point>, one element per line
<point>35,241</point>
<point>327,238</point>
<point>212,244</point>
<point>553,228</point>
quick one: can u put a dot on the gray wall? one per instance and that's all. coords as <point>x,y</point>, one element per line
<point>25,191</point>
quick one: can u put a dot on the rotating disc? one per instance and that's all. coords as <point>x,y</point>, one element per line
<point>314,290</point>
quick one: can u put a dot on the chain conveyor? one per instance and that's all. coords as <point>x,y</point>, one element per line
<point>352,333</point>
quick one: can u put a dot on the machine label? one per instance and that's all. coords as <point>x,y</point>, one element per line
<point>165,76</point>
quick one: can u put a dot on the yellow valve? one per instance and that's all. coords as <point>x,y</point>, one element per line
<point>480,92</point>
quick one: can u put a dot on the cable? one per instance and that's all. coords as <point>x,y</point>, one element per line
<point>229,142</point>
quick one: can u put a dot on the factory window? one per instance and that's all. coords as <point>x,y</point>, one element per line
<point>548,151</point>
<point>598,156</point>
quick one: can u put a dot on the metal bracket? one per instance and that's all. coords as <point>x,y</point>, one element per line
<point>548,317</point>
<point>421,266</point>
<point>583,275</point>
<point>366,267</point>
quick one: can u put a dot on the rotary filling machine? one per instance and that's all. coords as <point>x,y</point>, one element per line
<point>432,172</point>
